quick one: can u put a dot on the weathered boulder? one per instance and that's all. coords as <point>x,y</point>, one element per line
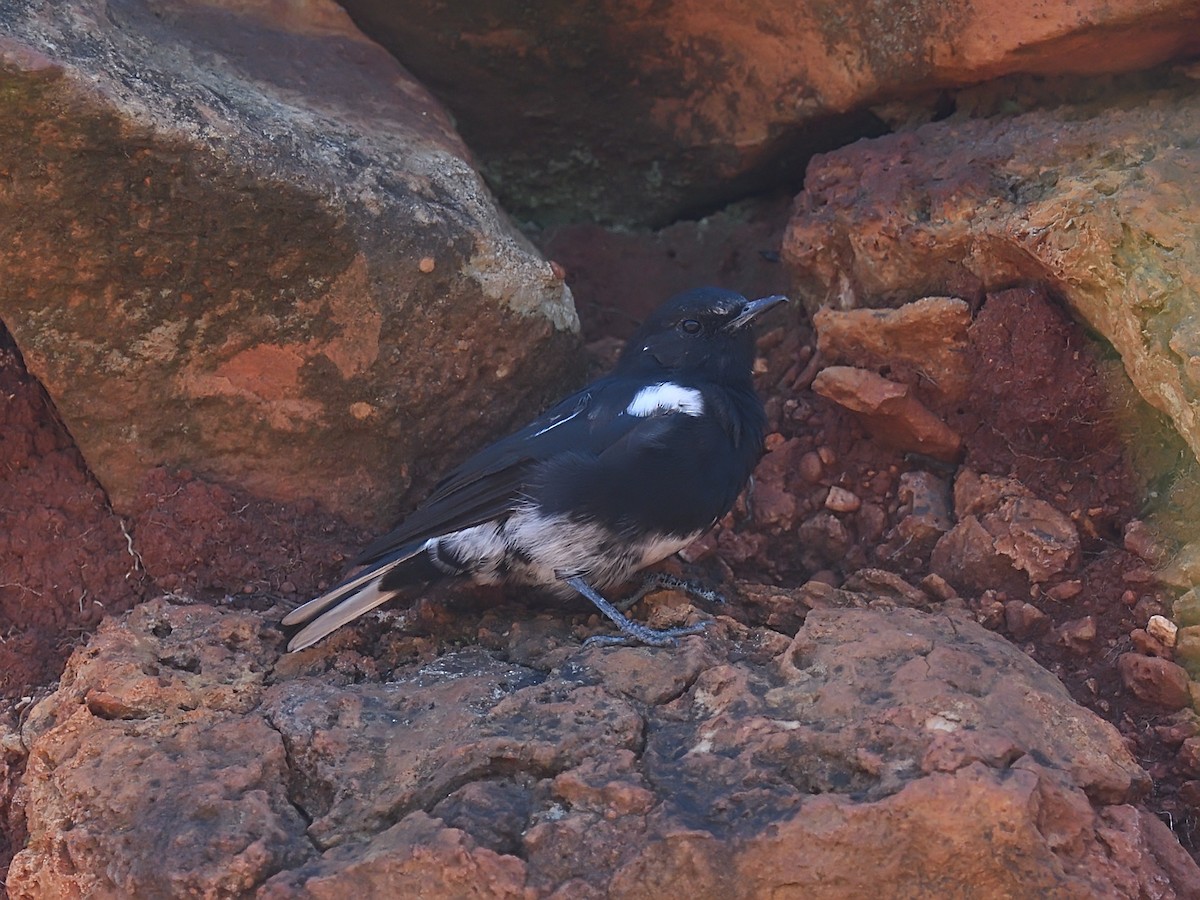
<point>1099,203</point>
<point>893,752</point>
<point>643,112</point>
<point>239,238</point>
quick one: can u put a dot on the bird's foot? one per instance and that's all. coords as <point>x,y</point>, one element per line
<point>643,634</point>
<point>631,632</point>
<point>657,580</point>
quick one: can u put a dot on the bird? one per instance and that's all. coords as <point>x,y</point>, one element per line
<point>611,479</point>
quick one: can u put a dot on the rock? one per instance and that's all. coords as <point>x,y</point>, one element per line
<point>889,410</point>
<point>966,557</point>
<point>887,743</point>
<point>883,587</point>
<point>1187,649</point>
<point>1065,590</point>
<point>1039,539</point>
<point>810,467</point>
<point>1077,635</point>
<point>922,344</point>
<point>1004,535</point>
<point>924,517</point>
<point>774,506</point>
<point>64,558</point>
<point>1143,540</point>
<point>1183,569</point>
<point>968,206</point>
<point>1186,609</point>
<point>1188,757</point>
<point>208,808</point>
<point>703,103</point>
<point>841,500</point>
<point>824,540</point>
<point>1163,629</point>
<point>1023,620</point>
<point>1155,680</point>
<point>1148,645</point>
<point>274,266</point>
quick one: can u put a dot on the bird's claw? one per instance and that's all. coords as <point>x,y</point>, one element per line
<point>643,634</point>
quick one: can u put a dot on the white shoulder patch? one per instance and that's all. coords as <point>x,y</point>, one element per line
<point>666,397</point>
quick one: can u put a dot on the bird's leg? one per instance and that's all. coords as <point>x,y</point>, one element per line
<point>630,631</point>
<point>656,580</point>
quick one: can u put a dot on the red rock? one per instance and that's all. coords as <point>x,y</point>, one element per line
<point>1023,620</point>
<point>825,540</point>
<point>1146,644</point>
<point>1065,590</point>
<point>966,557</point>
<point>885,586</point>
<point>701,101</point>
<point>810,467</point>
<point>924,518</point>
<point>922,344</point>
<point>1077,635</point>
<point>905,215</point>
<point>1143,540</point>
<point>228,280</point>
<point>889,411</point>
<point>563,770</point>
<point>1188,757</point>
<point>1004,536</point>
<point>841,500</point>
<point>1155,680</point>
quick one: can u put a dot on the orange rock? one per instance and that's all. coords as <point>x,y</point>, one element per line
<point>242,261</point>
<point>923,343</point>
<point>973,205</point>
<point>887,744</point>
<point>889,410</point>
<point>702,100</point>
<point>1155,680</point>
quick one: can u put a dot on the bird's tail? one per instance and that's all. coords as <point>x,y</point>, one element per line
<point>345,602</point>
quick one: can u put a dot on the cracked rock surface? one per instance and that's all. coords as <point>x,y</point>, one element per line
<point>885,750</point>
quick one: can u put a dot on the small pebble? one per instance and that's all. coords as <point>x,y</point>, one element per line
<point>937,586</point>
<point>842,500</point>
<point>1078,634</point>
<point>1065,590</point>
<point>826,576</point>
<point>1148,645</point>
<point>1023,619</point>
<point>1163,629</point>
<point>810,467</point>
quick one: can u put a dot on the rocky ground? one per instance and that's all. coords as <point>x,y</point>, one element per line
<point>259,298</point>
<point>1035,534</point>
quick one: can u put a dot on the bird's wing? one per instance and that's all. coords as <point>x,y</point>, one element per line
<point>493,481</point>
<point>602,418</point>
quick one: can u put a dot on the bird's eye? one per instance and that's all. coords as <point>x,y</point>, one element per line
<point>690,326</point>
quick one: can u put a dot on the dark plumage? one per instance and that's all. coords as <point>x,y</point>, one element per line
<point>611,479</point>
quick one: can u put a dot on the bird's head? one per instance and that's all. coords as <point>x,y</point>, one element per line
<point>705,332</point>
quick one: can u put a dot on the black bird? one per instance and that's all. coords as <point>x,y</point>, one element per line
<point>612,479</point>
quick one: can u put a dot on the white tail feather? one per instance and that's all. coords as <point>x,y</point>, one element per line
<point>365,600</point>
<point>348,600</point>
<point>318,605</point>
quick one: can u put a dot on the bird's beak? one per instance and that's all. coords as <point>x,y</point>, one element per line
<point>753,309</point>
